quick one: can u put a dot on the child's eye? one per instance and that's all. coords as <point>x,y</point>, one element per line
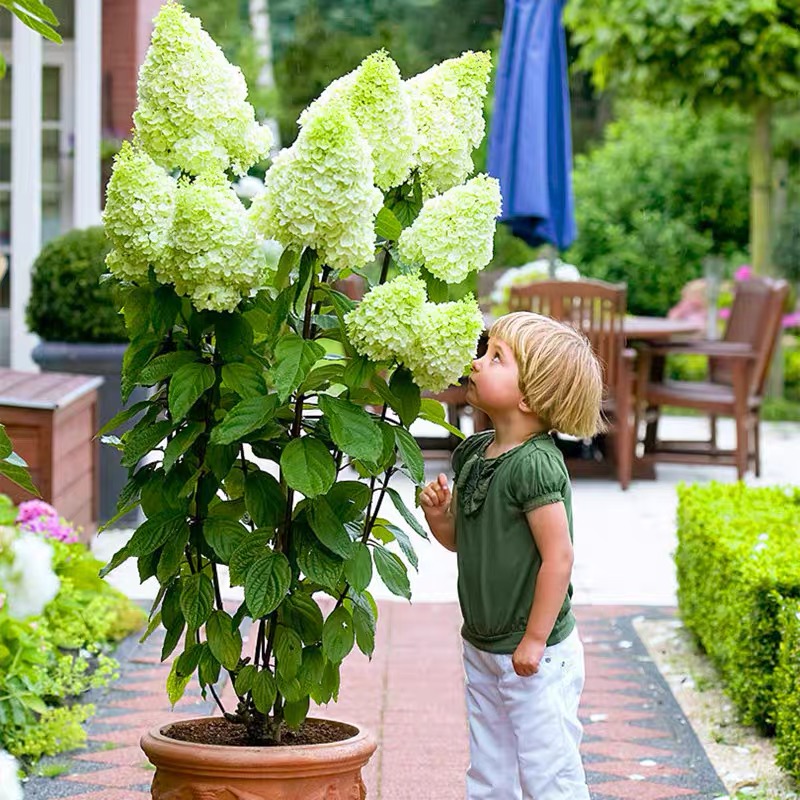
<point>496,357</point>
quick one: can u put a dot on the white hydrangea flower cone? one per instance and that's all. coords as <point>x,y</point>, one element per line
<point>447,103</point>
<point>216,257</point>
<point>28,580</point>
<point>454,232</point>
<point>445,344</point>
<point>320,192</point>
<point>386,321</point>
<point>140,202</point>
<point>377,99</point>
<point>192,112</point>
<point>10,787</point>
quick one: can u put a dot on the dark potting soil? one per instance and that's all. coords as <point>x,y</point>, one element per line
<point>221,732</point>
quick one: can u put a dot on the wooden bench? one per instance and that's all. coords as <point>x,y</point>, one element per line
<point>51,418</point>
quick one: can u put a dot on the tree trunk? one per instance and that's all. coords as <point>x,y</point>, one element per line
<point>761,188</point>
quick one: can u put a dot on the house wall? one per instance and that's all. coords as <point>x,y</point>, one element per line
<point>127,25</point>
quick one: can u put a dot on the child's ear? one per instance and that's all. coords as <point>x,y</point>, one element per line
<point>524,407</point>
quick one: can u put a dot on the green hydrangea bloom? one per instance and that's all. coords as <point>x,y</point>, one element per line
<point>320,192</point>
<point>140,202</point>
<point>376,97</point>
<point>445,344</point>
<point>385,322</point>
<point>447,103</point>
<point>215,256</point>
<point>192,111</point>
<point>454,232</point>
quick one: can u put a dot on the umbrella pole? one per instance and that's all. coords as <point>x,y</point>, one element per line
<point>551,254</point>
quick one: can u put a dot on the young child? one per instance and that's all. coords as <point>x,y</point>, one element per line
<point>510,522</point>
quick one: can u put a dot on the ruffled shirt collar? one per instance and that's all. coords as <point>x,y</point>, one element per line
<point>477,472</point>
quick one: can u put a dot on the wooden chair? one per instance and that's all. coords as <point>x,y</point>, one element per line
<point>597,309</point>
<point>738,368</point>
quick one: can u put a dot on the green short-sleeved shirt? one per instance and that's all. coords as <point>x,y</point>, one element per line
<point>498,560</point>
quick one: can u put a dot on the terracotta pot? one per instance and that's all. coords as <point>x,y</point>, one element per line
<point>189,771</point>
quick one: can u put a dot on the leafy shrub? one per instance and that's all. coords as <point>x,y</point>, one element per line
<point>786,255</point>
<point>787,689</point>
<point>49,659</point>
<point>791,372</point>
<point>68,302</point>
<point>687,367</point>
<point>738,560</point>
<point>665,189</point>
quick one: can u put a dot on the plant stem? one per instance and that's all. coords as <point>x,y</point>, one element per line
<point>387,259</point>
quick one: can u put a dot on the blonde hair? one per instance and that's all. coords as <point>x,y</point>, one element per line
<point>560,377</point>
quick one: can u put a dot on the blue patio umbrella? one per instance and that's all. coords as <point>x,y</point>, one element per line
<point>530,146</point>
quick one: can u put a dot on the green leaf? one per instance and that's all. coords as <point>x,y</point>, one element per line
<point>6,448</point>
<point>264,690</point>
<point>181,442</point>
<point>288,653</point>
<point>264,499</point>
<point>348,499</point>
<point>18,475</point>
<point>289,260</point>
<point>406,513</point>
<point>295,713</point>
<point>308,467</point>
<point>187,386</point>
<point>358,372</point>
<point>244,680</point>
<point>224,536</point>
<point>234,336</point>
<point>142,440</point>
<point>392,571</point>
<point>243,557</point>
<point>295,358</point>
<point>328,528</point>
<point>433,411</point>
<point>411,454</point>
<point>329,687</point>
<point>208,668</point>
<point>120,557</point>
<point>407,396</point>
<point>320,567</point>
<point>172,554</point>
<point>338,635</point>
<point>176,684</point>
<point>225,642</point>
<point>322,375</point>
<point>189,659</point>
<point>156,531</point>
<point>364,624</point>
<point>165,366</point>
<point>401,537</point>
<point>352,429</point>
<point>308,266</point>
<point>267,583</point>
<point>220,458</point>
<point>311,669</point>
<point>245,380</point>
<point>123,416</point>
<point>358,568</point>
<point>245,417</point>
<point>197,598</point>
<point>301,613</point>
<point>387,226</point>
<point>165,309</point>
<point>438,290</point>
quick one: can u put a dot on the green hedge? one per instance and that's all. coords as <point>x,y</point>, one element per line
<point>787,689</point>
<point>68,302</point>
<point>738,562</point>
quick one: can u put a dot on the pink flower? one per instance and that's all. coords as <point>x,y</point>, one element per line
<point>724,313</point>
<point>792,320</point>
<point>34,509</point>
<point>39,517</point>
<point>744,273</point>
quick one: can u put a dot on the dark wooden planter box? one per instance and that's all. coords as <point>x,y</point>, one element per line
<point>52,419</point>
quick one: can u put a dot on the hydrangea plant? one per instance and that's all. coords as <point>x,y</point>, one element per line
<point>280,408</point>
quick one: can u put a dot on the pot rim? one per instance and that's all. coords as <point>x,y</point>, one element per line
<point>299,760</point>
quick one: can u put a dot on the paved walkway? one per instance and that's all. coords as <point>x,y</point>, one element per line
<point>637,744</point>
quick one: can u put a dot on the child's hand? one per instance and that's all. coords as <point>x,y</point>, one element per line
<point>527,656</point>
<point>435,497</point>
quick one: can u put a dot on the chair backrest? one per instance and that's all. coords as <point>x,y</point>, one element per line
<point>755,319</point>
<point>595,308</point>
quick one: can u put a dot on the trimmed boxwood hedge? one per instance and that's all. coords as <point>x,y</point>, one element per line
<point>738,564</point>
<point>787,689</point>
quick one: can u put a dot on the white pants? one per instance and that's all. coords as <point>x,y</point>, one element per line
<point>524,733</point>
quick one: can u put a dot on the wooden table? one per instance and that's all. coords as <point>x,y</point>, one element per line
<point>51,418</point>
<point>660,329</point>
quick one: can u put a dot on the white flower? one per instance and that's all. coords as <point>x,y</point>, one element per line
<point>28,581</point>
<point>320,192</point>
<point>445,344</point>
<point>454,232</point>
<point>377,99</point>
<point>10,788</point>
<point>215,257</point>
<point>248,187</point>
<point>538,270</point>
<point>447,103</point>
<point>386,321</point>
<point>192,111</point>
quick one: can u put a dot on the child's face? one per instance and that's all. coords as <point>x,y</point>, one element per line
<point>494,383</point>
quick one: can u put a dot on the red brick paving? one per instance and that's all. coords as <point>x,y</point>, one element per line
<point>411,697</point>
